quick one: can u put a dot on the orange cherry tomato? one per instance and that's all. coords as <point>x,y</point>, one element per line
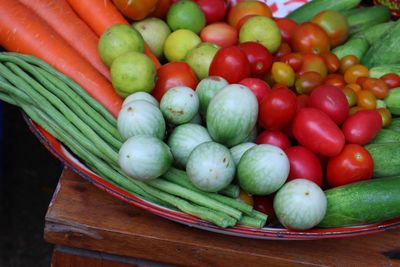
<point>354,72</point>
<point>386,116</point>
<point>332,61</point>
<point>353,86</point>
<point>335,82</point>
<point>350,95</point>
<point>245,8</point>
<point>136,10</point>
<point>376,86</point>
<point>366,99</point>
<point>346,62</point>
<point>360,80</point>
<point>283,74</point>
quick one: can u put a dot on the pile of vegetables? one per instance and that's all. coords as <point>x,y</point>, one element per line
<point>227,113</point>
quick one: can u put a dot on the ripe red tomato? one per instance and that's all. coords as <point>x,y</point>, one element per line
<point>310,38</point>
<point>313,62</point>
<point>295,60</point>
<point>277,109</point>
<point>316,131</point>
<point>361,127</point>
<point>332,61</point>
<point>136,10</point>
<point>161,9</point>
<point>283,50</point>
<point>173,74</point>
<point>332,101</point>
<point>304,164</point>
<point>275,138</point>
<point>353,164</point>
<point>334,24</point>
<point>259,87</point>
<point>265,205</point>
<point>214,10</point>
<point>287,27</point>
<point>302,101</point>
<point>259,57</point>
<point>219,33</point>
<point>230,63</point>
<point>392,80</point>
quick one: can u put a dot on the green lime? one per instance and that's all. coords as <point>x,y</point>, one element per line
<point>186,14</point>
<point>133,72</point>
<point>179,43</point>
<point>117,40</point>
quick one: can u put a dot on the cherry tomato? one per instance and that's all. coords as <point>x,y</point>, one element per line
<point>386,116</point>
<point>283,50</point>
<point>334,24</point>
<point>332,101</point>
<point>173,74</point>
<point>287,27</point>
<point>245,8</point>
<point>355,109</point>
<point>366,99</point>
<point>392,80</point>
<point>307,81</point>
<point>259,57</point>
<point>214,10</point>
<point>360,80</point>
<point>350,96</point>
<point>265,205</point>
<point>277,109</point>
<point>335,80</point>
<point>230,63</point>
<point>315,63</point>
<point>332,62</point>
<point>316,131</point>
<point>295,60</point>
<point>353,86</point>
<point>283,74</point>
<point>276,138</point>
<point>219,33</point>
<point>353,164</point>
<point>304,164</point>
<point>376,87</point>
<point>361,127</point>
<point>259,87</point>
<point>161,9</point>
<point>302,101</point>
<point>135,10</point>
<point>310,38</point>
<point>346,62</point>
<point>354,72</point>
<point>246,197</point>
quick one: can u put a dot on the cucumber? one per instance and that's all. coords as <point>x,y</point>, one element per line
<point>395,125</point>
<point>393,101</point>
<point>379,71</point>
<point>355,46</point>
<point>349,12</point>
<point>374,33</point>
<point>309,10</point>
<point>386,157</point>
<point>386,51</point>
<point>367,17</point>
<point>363,202</point>
<point>386,136</point>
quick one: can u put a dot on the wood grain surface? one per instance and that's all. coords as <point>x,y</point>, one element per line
<point>82,216</point>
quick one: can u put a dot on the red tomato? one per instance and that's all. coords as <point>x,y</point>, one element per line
<point>332,101</point>
<point>304,164</point>
<point>265,205</point>
<point>392,80</point>
<point>259,87</point>
<point>277,109</point>
<point>214,10</point>
<point>136,10</point>
<point>353,164</point>
<point>230,63</point>
<point>332,61</point>
<point>310,38</point>
<point>361,127</point>
<point>316,131</point>
<point>173,74</point>
<point>302,101</point>
<point>295,60</point>
<point>259,57</point>
<point>334,24</point>
<point>275,138</point>
<point>287,27</point>
<point>307,82</point>
<point>283,50</point>
<point>219,33</point>
<point>161,9</point>
<point>313,62</point>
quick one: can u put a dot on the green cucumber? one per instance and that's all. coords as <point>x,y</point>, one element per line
<point>374,33</point>
<point>355,46</point>
<point>367,17</point>
<point>309,10</point>
<point>393,101</point>
<point>379,71</point>
<point>363,202</point>
<point>395,125</point>
<point>386,51</point>
<point>386,136</point>
<point>386,157</point>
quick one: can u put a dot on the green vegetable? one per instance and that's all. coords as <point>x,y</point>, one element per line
<point>362,202</point>
<point>379,71</point>
<point>395,125</point>
<point>386,136</point>
<point>375,33</point>
<point>367,17</point>
<point>393,101</point>
<point>309,10</point>
<point>386,157</point>
<point>355,46</point>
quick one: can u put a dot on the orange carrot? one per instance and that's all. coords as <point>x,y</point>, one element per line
<point>60,16</point>
<point>102,14</point>
<point>24,32</point>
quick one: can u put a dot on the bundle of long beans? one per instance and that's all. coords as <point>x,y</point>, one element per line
<point>66,111</point>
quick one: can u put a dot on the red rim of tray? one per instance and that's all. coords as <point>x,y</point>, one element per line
<point>58,150</point>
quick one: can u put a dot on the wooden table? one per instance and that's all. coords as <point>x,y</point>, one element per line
<point>92,228</point>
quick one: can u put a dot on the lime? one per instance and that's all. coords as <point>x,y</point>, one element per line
<point>117,40</point>
<point>263,30</point>
<point>186,15</point>
<point>133,72</point>
<point>200,57</point>
<point>179,43</point>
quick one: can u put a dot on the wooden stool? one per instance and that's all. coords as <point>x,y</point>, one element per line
<point>92,228</point>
